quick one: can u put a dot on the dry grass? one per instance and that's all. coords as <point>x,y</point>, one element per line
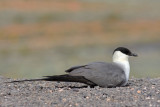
<point>79,33</point>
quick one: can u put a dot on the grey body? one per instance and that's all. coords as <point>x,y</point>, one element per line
<point>94,74</point>
<point>100,73</point>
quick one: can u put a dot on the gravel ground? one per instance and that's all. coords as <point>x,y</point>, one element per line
<point>139,92</point>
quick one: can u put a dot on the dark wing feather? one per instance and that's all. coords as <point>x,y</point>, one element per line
<point>62,78</point>
<point>73,68</point>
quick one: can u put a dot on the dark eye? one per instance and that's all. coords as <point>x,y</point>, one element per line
<point>127,52</point>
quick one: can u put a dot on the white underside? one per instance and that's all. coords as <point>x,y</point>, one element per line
<point>126,68</point>
<point>122,60</point>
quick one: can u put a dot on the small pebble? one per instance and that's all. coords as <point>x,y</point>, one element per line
<point>138,93</point>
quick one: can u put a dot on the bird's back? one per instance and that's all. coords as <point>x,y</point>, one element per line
<point>101,73</point>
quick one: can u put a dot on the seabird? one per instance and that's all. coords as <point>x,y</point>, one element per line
<point>103,74</point>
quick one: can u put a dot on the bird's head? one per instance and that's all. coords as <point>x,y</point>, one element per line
<point>122,54</point>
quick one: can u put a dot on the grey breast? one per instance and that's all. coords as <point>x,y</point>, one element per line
<point>101,73</point>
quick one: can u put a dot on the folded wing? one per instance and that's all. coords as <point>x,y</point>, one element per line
<point>100,73</point>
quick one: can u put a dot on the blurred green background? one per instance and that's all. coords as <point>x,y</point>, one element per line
<point>46,37</point>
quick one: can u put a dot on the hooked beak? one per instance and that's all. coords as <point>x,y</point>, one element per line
<point>134,54</point>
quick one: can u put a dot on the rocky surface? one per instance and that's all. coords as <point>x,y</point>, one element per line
<point>139,92</point>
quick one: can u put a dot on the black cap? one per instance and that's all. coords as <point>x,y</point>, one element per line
<point>125,51</point>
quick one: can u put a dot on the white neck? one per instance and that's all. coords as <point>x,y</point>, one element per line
<point>122,60</point>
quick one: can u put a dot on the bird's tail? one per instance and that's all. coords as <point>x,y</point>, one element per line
<point>62,78</point>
